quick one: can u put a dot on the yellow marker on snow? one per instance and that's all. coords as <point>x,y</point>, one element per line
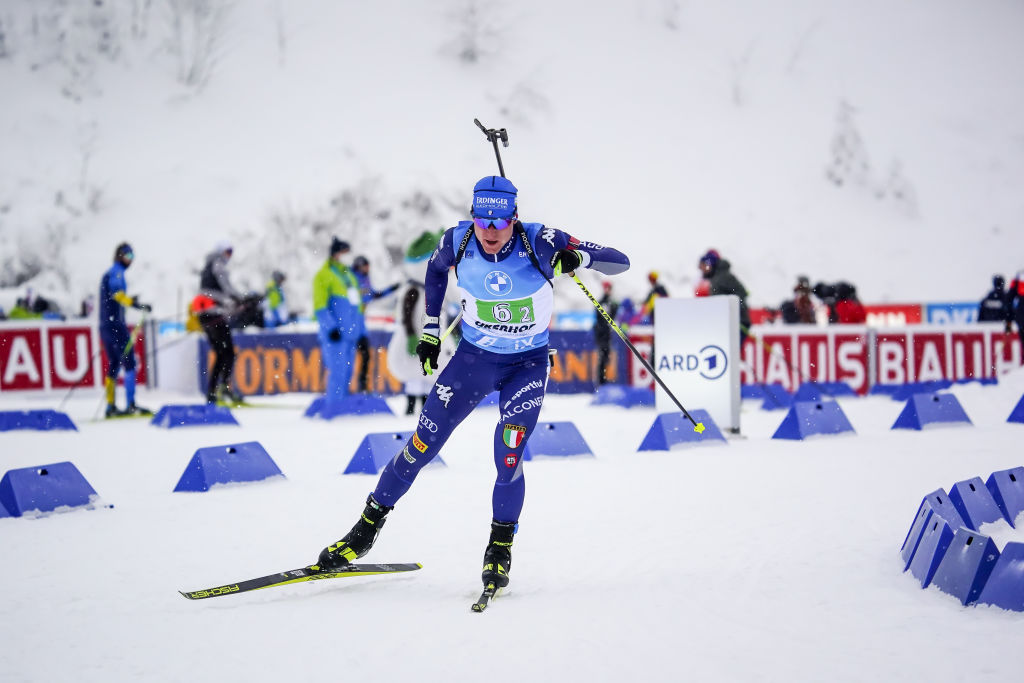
<point>699,428</point>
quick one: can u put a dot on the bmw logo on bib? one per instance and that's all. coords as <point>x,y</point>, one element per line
<point>498,283</point>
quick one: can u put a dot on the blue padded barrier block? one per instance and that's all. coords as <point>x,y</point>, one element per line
<point>752,391</point>
<point>966,565</point>
<point>1007,489</point>
<point>837,389</point>
<point>905,391</point>
<point>776,397</point>
<point>555,439</point>
<point>239,462</point>
<point>1017,415</point>
<point>353,405</point>
<point>974,502</point>
<point>623,395</point>
<point>809,391</point>
<point>943,508</point>
<point>807,418</point>
<point>44,488</point>
<point>378,449</point>
<point>932,548</point>
<point>1005,585</point>
<point>921,519</point>
<point>202,414</point>
<point>922,410</point>
<point>40,420</point>
<point>671,430</point>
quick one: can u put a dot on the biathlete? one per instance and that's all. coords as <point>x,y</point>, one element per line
<point>117,340</point>
<point>504,268</point>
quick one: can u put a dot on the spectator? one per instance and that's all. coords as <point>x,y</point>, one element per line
<point>275,309</point>
<point>849,310</point>
<point>994,308</point>
<point>337,306</point>
<point>799,309</point>
<point>657,291</point>
<point>117,341</point>
<point>361,268</point>
<point>403,362</point>
<point>214,305</point>
<point>603,332</point>
<point>1015,304</point>
<point>718,272</point>
<point>22,311</point>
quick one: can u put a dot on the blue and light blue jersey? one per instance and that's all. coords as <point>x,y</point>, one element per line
<point>506,301</point>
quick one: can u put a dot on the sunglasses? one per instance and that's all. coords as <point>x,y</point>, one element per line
<point>495,223</point>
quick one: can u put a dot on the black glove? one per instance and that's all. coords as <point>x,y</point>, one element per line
<point>565,261</point>
<point>428,349</point>
<point>334,335</point>
<point>138,305</point>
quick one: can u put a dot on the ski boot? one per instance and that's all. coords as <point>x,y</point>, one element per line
<point>112,411</point>
<point>229,395</point>
<point>356,542</point>
<point>134,409</point>
<point>498,555</point>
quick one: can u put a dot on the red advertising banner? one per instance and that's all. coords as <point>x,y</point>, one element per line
<point>40,356</point>
<point>863,356</point>
<point>795,354</point>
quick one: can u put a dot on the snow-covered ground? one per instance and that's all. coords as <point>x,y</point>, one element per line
<point>756,560</point>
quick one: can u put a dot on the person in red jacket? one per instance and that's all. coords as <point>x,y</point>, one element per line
<point>848,308</point>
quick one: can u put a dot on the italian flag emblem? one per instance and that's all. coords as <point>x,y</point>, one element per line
<point>513,435</point>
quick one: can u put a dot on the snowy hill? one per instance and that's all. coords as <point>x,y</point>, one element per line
<point>867,141</point>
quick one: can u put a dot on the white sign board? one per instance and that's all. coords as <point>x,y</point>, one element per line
<point>697,356</point>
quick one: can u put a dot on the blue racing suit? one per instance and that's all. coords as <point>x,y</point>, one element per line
<point>113,331</point>
<point>507,305</point>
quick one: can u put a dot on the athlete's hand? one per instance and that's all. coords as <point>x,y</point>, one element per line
<point>565,261</point>
<point>428,349</point>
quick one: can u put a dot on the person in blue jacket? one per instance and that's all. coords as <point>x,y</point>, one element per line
<point>338,307</point>
<point>117,340</point>
<point>504,269</point>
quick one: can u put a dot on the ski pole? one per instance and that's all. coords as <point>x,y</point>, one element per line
<point>451,328</point>
<point>493,135</point>
<point>697,426</point>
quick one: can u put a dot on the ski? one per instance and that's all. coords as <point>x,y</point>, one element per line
<point>485,598</point>
<point>299,576</point>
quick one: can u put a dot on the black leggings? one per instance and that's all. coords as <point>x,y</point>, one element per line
<point>219,334</point>
<point>363,349</point>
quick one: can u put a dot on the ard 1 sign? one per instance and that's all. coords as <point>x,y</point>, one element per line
<point>696,354</point>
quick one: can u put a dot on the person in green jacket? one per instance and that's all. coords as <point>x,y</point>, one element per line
<point>337,305</point>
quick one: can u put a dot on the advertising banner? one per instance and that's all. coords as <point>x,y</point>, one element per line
<point>274,363</point>
<point>952,313</point>
<point>696,352</point>
<point>51,355</point>
<point>793,354</point>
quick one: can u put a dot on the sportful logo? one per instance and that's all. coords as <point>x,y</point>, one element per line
<point>535,384</point>
<point>498,283</point>
<point>444,393</point>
